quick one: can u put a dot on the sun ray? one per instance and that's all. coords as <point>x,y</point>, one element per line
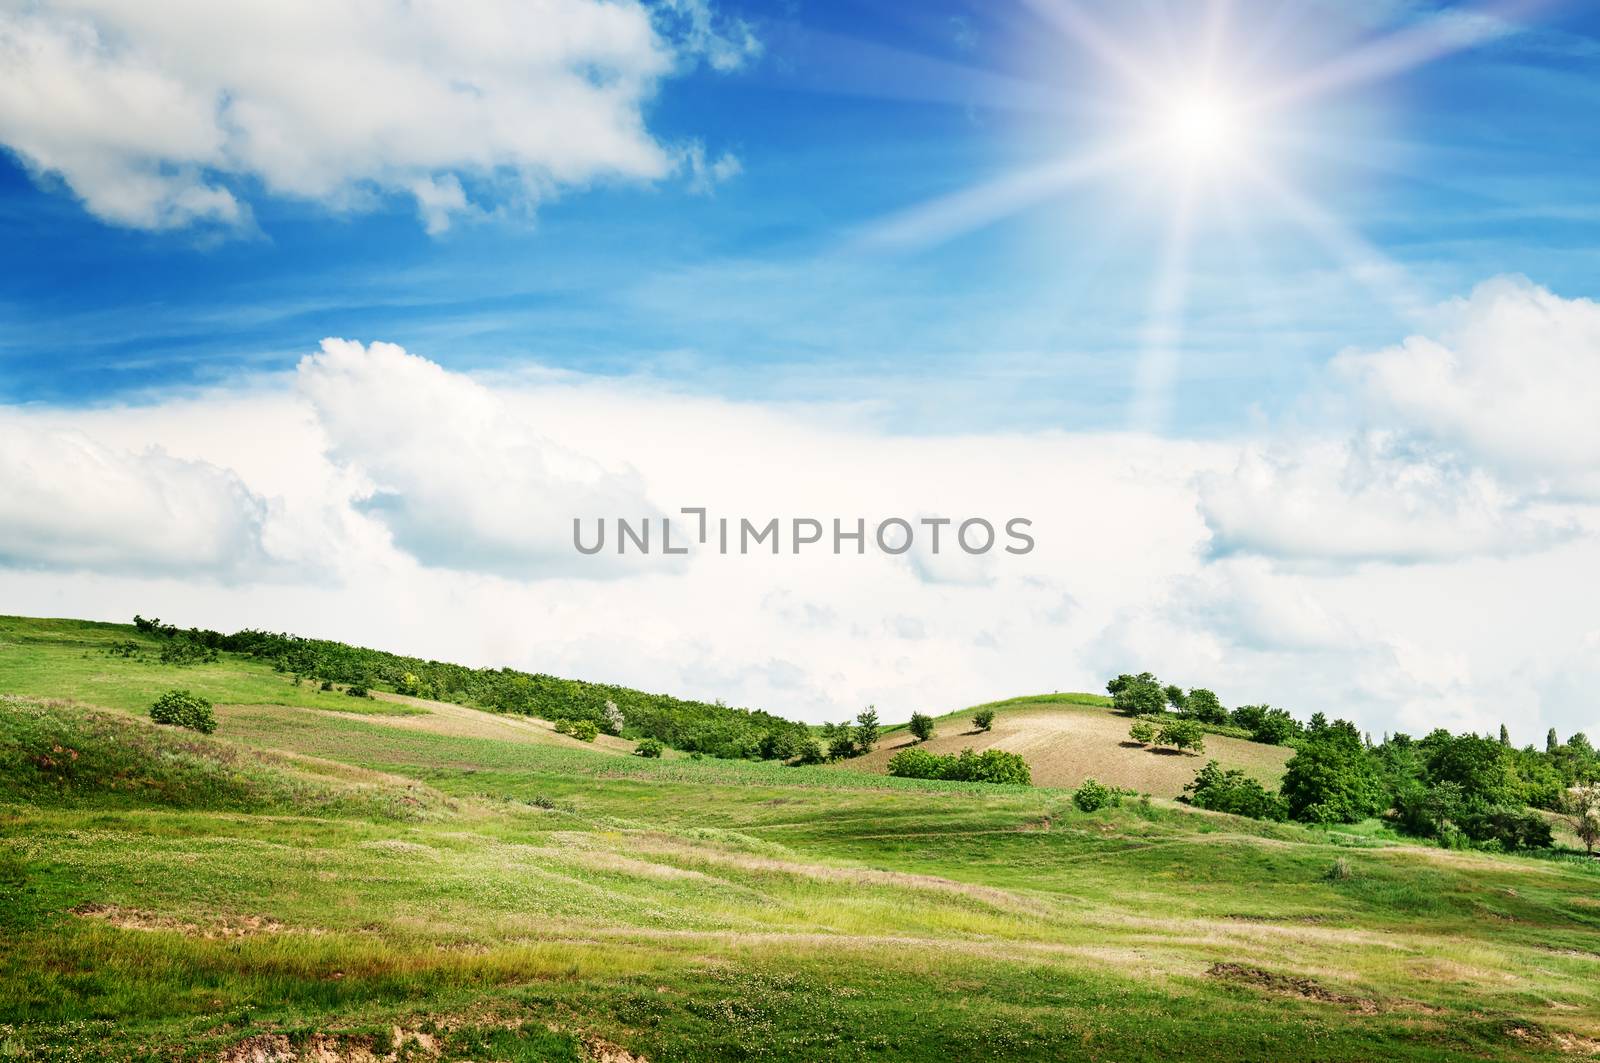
<point>1162,340</point>
<point>972,208</point>
<point>1371,268</point>
<point>1454,30</point>
<point>1070,18</point>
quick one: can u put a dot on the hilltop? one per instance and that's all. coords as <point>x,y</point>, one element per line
<point>333,877</point>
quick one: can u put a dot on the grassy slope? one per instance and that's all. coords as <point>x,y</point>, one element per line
<point>507,898</point>
<point>1069,738</point>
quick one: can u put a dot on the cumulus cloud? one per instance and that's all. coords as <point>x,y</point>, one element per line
<point>156,114</point>
<point>1368,498</point>
<point>456,475</point>
<point>71,503</point>
<point>1512,382</point>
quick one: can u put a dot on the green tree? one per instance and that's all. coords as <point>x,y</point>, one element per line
<point>1175,696</point>
<point>1505,736</point>
<point>1138,695</point>
<point>1143,732</point>
<point>921,726</point>
<point>1581,809</point>
<point>1205,706</point>
<point>648,747</point>
<point>867,729</point>
<point>811,752</point>
<point>1333,778</point>
<point>1182,734</point>
<point>983,719</point>
<point>1551,742</point>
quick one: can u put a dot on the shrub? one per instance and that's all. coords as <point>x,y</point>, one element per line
<point>1182,734</point>
<point>614,720</point>
<point>183,709</point>
<point>1339,870</point>
<point>1270,726</point>
<point>1142,732</point>
<point>649,747</point>
<point>1234,792</point>
<point>356,691</point>
<point>921,726</point>
<point>983,719</point>
<point>810,752</point>
<point>327,684</point>
<point>1580,807</point>
<point>563,727</point>
<point>778,745</point>
<point>1093,796</point>
<point>584,730</point>
<point>991,766</point>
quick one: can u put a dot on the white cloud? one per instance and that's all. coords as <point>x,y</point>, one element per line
<point>460,479</point>
<point>69,502</point>
<point>152,113</point>
<point>1368,498</point>
<point>1513,383</point>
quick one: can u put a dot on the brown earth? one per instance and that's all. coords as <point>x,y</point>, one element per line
<point>1066,744</point>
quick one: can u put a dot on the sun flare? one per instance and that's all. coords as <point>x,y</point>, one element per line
<point>1203,129</point>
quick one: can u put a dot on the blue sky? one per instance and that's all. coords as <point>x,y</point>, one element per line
<point>1480,162</point>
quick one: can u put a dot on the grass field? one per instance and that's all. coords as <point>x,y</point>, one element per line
<point>315,884</point>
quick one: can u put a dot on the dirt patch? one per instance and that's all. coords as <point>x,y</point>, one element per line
<point>232,926</point>
<point>1066,744</point>
<point>333,1048</point>
<point>599,1050</point>
<point>1305,988</point>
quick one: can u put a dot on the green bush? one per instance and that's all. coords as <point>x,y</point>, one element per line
<point>1138,695</point>
<point>921,726</point>
<point>1334,778</point>
<point>983,719</point>
<point>991,766</point>
<point>1182,734</point>
<point>584,730</point>
<point>649,747</point>
<point>1142,732</point>
<point>183,709</point>
<point>356,691</point>
<point>810,752</point>
<point>1235,792</point>
<point>1093,796</point>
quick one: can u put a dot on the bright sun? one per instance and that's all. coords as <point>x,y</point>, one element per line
<point>1203,129</point>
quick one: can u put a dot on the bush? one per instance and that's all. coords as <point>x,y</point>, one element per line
<point>327,684</point>
<point>810,752</point>
<point>1093,796</point>
<point>1267,725</point>
<point>1142,732</point>
<point>991,766</point>
<point>1339,870</point>
<point>1138,695</point>
<point>180,708</point>
<point>1205,706</point>
<point>563,727</point>
<point>921,726</point>
<point>584,730</point>
<point>356,691</point>
<point>1234,792</point>
<point>983,719</point>
<point>1182,734</point>
<point>649,747</point>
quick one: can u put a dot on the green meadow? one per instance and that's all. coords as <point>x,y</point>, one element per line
<point>338,878</point>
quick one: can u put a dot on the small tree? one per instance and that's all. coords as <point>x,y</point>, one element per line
<point>1175,697</point>
<point>649,747</point>
<point>867,729</point>
<point>921,726</point>
<point>1142,732</point>
<point>1552,742</point>
<point>1138,695</point>
<point>1505,736</point>
<point>983,719</point>
<point>1580,807</point>
<point>584,730</point>
<point>614,718</point>
<point>179,708</point>
<point>1182,734</point>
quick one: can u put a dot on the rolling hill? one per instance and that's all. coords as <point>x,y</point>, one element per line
<point>332,878</point>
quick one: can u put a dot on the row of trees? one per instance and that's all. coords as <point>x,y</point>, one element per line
<point>991,766</point>
<point>713,729</point>
<point>1145,695</point>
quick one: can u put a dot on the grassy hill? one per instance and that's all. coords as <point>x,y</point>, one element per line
<point>1072,737</point>
<point>419,880</point>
